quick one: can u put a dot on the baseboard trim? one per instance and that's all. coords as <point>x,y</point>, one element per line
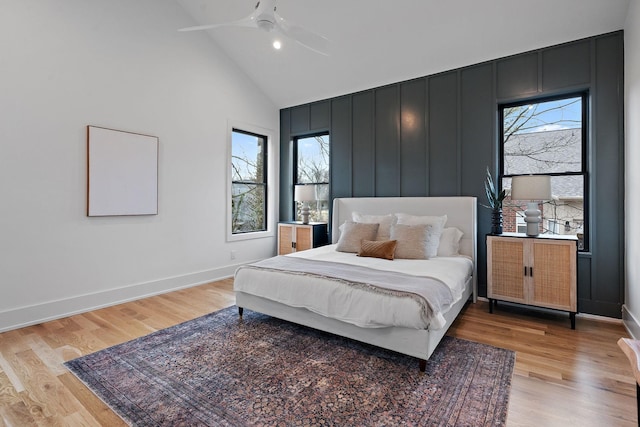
<point>630,322</point>
<point>52,310</point>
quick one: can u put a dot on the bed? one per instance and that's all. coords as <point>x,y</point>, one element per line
<point>283,288</point>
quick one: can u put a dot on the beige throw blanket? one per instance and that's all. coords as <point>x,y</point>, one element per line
<point>431,294</point>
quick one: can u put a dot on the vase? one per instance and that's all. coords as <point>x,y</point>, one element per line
<point>496,221</point>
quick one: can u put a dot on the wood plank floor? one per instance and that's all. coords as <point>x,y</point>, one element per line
<point>562,377</point>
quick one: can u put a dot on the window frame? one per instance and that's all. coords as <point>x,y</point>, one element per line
<point>295,140</point>
<point>269,181</point>
<point>584,169</point>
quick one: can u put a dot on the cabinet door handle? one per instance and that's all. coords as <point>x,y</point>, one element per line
<point>531,271</point>
<point>525,271</point>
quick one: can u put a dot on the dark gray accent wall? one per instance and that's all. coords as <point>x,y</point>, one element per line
<point>435,136</point>
<point>413,134</point>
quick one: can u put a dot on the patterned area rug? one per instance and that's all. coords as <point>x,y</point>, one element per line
<point>219,371</point>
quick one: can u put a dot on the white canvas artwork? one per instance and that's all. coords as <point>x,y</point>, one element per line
<point>122,173</point>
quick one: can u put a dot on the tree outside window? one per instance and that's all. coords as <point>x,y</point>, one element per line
<point>249,182</point>
<point>312,168</point>
<point>547,138</point>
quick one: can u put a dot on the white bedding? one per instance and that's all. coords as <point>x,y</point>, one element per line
<point>356,305</point>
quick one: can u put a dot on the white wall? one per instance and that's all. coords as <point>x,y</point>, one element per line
<point>121,64</point>
<point>631,314</point>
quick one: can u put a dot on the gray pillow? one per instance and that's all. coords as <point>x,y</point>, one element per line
<point>353,233</point>
<point>412,240</point>
<point>438,223</point>
<point>385,221</point>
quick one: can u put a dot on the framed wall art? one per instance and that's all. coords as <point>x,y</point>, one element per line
<point>122,173</point>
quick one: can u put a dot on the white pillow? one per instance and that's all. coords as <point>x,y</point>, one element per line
<point>385,221</point>
<point>417,219</point>
<point>450,242</point>
<point>437,223</point>
<point>353,234</point>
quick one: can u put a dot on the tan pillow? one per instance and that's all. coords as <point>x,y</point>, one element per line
<point>385,221</point>
<point>412,240</point>
<point>353,234</point>
<point>378,249</point>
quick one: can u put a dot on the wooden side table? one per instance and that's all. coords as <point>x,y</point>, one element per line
<point>294,236</point>
<point>538,271</point>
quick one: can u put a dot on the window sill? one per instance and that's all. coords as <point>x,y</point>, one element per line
<point>250,236</point>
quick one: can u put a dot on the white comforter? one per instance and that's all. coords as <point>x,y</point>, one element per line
<point>355,305</point>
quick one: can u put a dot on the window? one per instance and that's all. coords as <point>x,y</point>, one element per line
<point>521,226</point>
<point>248,182</point>
<point>547,137</point>
<point>312,168</point>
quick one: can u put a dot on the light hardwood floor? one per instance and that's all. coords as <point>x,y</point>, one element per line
<point>562,377</point>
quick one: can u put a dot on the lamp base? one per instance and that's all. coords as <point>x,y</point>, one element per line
<point>533,219</point>
<point>304,213</point>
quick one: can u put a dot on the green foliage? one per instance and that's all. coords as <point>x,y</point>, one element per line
<point>494,197</point>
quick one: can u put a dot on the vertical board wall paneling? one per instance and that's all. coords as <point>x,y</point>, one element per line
<point>413,138</point>
<point>566,66</point>
<point>387,141</point>
<point>363,173</point>
<point>517,76</point>
<point>341,147</point>
<point>608,221</point>
<point>300,119</point>
<point>286,176</point>
<point>478,133</point>
<point>443,134</point>
<point>457,137</point>
<point>320,116</point>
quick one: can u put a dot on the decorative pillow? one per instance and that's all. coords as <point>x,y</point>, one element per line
<point>353,234</point>
<point>450,242</point>
<point>384,249</point>
<point>438,225</point>
<point>385,221</point>
<point>412,240</point>
<point>416,219</point>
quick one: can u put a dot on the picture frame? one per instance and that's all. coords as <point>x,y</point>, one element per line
<point>122,173</point>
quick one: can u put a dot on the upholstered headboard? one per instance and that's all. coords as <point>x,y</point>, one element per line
<point>461,213</point>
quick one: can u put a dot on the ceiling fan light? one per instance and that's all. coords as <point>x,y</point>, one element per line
<point>265,24</point>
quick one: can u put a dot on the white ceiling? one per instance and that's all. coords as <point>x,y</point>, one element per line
<point>375,42</point>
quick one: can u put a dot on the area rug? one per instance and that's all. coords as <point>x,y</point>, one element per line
<point>217,370</point>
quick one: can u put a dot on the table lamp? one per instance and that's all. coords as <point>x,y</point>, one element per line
<point>533,188</point>
<point>305,194</point>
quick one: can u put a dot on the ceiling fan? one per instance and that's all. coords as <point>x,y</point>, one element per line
<point>265,18</point>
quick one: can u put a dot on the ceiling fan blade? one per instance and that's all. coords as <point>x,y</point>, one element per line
<point>200,27</point>
<point>306,38</point>
<point>249,21</point>
<point>310,40</point>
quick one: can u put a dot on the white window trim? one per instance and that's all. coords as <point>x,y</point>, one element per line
<point>272,181</point>
<point>520,224</point>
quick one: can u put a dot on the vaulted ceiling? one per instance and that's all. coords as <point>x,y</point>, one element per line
<point>375,42</point>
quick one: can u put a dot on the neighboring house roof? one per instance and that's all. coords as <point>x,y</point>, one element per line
<point>554,151</point>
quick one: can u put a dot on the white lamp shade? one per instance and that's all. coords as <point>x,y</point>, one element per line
<point>531,187</point>
<point>304,193</point>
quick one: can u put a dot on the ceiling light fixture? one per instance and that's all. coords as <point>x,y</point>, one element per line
<point>265,18</point>
<point>277,45</point>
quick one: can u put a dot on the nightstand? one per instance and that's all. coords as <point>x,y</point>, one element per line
<point>538,271</point>
<point>294,236</point>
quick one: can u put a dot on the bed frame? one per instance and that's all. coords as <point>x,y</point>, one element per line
<point>461,213</point>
